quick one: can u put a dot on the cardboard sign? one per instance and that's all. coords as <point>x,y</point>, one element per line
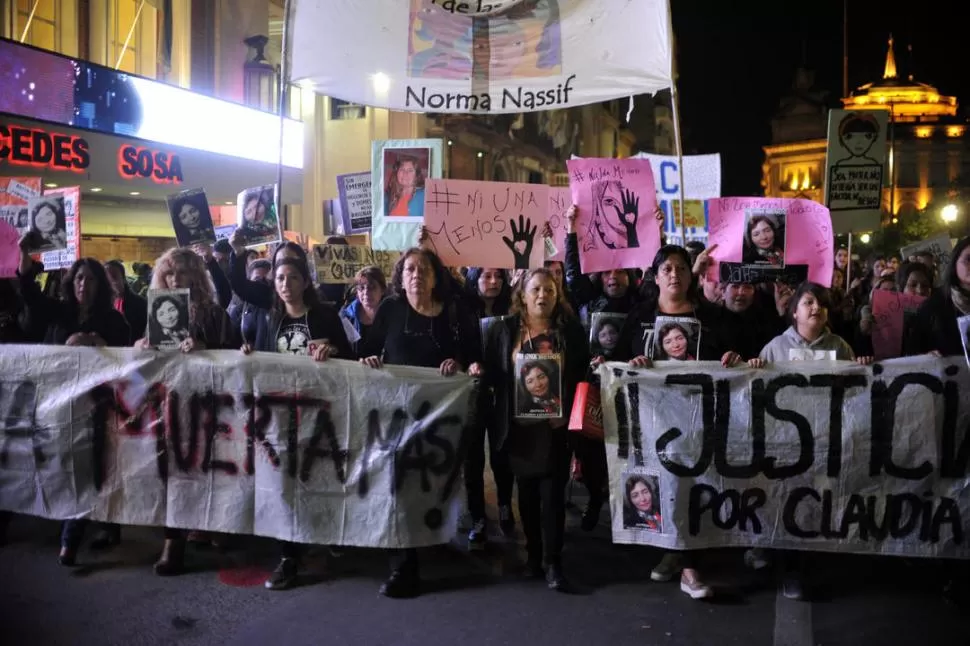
<point>855,159</point>
<point>339,263</point>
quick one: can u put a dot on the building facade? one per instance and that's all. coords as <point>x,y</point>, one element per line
<point>929,151</point>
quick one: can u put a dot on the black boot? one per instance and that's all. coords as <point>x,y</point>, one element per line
<point>172,560</point>
<point>404,583</point>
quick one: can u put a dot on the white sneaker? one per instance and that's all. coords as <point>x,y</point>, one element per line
<point>756,559</point>
<point>670,565</point>
<point>693,587</point>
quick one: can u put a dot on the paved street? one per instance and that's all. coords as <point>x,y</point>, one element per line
<point>113,598</point>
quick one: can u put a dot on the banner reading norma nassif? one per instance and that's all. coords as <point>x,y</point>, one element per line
<point>469,57</point>
<point>813,456</point>
<point>268,445</point>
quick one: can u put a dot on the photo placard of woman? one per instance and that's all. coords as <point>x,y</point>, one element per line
<point>191,217</point>
<point>405,170</point>
<point>168,318</point>
<point>764,237</point>
<point>641,503</point>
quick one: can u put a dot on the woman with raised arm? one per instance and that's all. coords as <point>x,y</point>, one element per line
<point>420,324</point>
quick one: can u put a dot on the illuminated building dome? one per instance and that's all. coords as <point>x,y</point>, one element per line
<point>909,100</point>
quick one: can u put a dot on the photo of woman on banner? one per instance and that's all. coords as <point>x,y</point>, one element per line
<point>641,503</point>
<point>48,220</point>
<point>676,339</point>
<point>256,216</point>
<point>168,318</point>
<point>764,237</point>
<point>191,218</point>
<point>539,395</point>
<point>405,170</point>
<point>604,334</point>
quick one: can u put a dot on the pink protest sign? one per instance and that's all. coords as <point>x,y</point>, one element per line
<point>616,225</point>
<point>486,224</point>
<point>560,199</point>
<point>768,231</point>
<point>890,311</point>
<point>9,250</point>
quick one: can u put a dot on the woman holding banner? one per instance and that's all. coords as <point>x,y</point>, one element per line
<point>420,324</point>
<point>304,327</point>
<point>542,327</point>
<point>84,317</point>
<point>211,329</point>
<point>673,293</point>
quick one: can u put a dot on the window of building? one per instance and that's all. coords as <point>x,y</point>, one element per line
<point>346,110</point>
<point>43,29</point>
<point>132,37</point>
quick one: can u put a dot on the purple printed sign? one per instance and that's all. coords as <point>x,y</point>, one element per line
<point>768,231</point>
<point>354,190</point>
<point>616,226</point>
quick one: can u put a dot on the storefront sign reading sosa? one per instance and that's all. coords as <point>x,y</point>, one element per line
<point>135,162</point>
<point>22,146</point>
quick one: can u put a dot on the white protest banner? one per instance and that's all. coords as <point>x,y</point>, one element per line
<point>354,191</point>
<point>64,258</point>
<point>854,160</point>
<point>268,445</point>
<point>339,263</point>
<point>826,456</point>
<point>465,57</point>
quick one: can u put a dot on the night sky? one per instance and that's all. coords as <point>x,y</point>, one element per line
<point>738,59</point>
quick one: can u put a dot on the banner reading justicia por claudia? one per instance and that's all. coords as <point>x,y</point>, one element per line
<point>803,455</point>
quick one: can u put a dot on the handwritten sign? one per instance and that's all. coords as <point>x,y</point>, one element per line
<point>939,245</point>
<point>339,263</point>
<point>560,199</point>
<point>617,199</point>
<point>736,272</point>
<point>486,224</point>
<point>354,190</point>
<point>9,250</point>
<point>855,158</point>
<point>808,235</point>
<point>890,310</point>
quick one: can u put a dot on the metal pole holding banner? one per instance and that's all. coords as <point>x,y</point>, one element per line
<point>848,267</point>
<point>675,113</point>
<point>30,19</point>
<point>131,32</point>
<point>283,93</point>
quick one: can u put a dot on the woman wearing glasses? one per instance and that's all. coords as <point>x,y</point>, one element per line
<point>420,324</point>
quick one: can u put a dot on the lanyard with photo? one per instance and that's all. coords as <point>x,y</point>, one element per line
<point>538,380</point>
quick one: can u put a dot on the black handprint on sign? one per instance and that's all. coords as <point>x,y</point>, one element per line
<point>629,217</point>
<point>523,236</point>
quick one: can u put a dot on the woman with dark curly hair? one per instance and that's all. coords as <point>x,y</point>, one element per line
<point>420,324</point>
<point>538,386</point>
<point>764,241</point>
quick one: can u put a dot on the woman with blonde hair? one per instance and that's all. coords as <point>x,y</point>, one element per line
<point>211,329</point>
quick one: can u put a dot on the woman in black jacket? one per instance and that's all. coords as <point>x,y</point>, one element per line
<point>301,325</point>
<point>85,317</point>
<point>541,323</point>
<point>420,324</point>
<point>935,326</point>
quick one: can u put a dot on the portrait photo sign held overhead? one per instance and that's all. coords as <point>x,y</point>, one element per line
<point>487,224</point>
<point>539,391</point>
<point>616,225</point>
<point>891,313</point>
<point>428,51</point>
<point>604,333</point>
<point>825,456</point>
<point>168,318</point>
<point>191,217</point>
<point>855,159</point>
<point>748,229</point>
<point>64,258</point>
<point>676,338</point>
<point>48,223</point>
<point>339,263</point>
<point>220,442</point>
<point>354,191</point>
<point>256,216</point>
<point>400,232</point>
